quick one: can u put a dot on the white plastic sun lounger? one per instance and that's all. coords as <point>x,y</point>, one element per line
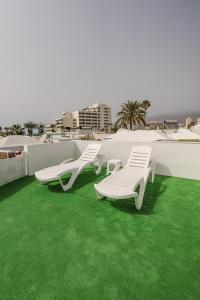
<point>123,183</point>
<point>89,157</point>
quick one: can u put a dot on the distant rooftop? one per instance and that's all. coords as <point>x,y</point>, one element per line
<point>138,135</point>
<point>17,140</point>
<point>184,134</point>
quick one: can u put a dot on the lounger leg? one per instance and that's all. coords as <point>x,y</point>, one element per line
<point>99,166</point>
<point>68,186</point>
<point>140,199</point>
<point>98,171</point>
<point>153,171</point>
<point>152,177</point>
<point>99,196</point>
<point>42,182</point>
<point>136,200</point>
<point>141,195</point>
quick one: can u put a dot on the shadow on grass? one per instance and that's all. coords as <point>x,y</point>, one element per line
<point>87,176</point>
<point>13,187</point>
<point>152,193</point>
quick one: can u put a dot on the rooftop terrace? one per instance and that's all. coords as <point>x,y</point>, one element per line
<point>57,245</point>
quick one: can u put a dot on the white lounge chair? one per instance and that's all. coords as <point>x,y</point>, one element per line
<point>89,157</point>
<point>123,183</point>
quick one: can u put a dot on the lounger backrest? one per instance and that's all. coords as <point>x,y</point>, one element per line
<point>90,152</point>
<point>139,158</point>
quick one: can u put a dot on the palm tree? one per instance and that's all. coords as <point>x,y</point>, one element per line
<point>16,129</point>
<point>6,130</point>
<point>145,104</point>
<point>132,113</point>
<point>41,127</point>
<point>30,126</point>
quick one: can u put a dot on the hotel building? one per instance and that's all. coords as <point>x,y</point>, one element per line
<point>96,116</point>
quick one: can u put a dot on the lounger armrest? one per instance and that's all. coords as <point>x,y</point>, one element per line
<point>152,165</point>
<point>147,173</point>
<point>66,161</point>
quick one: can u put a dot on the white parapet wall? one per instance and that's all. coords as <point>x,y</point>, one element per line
<point>179,159</point>
<point>40,156</point>
<point>12,169</point>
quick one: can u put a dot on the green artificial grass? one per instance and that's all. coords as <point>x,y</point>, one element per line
<point>68,245</point>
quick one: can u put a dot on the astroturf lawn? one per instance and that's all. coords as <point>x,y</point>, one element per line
<point>68,245</point>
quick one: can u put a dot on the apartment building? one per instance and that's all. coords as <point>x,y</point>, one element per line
<point>96,116</point>
<point>188,122</point>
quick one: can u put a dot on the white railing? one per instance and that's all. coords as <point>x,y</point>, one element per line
<point>12,168</point>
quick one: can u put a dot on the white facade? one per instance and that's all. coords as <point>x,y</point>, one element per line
<point>96,116</point>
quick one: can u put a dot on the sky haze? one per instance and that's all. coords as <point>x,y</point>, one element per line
<point>58,55</point>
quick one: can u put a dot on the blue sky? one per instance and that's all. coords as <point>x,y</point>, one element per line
<point>58,55</point>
